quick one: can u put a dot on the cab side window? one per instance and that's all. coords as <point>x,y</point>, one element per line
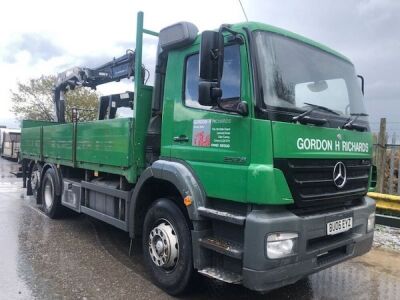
<point>230,82</point>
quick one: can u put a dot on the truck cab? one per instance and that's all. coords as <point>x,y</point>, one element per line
<point>248,161</point>
<point>291,177</point>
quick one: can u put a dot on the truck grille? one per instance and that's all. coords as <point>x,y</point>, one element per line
<point>311,180</point>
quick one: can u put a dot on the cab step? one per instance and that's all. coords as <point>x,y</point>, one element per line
<point>222,246</point>
<point>221,215</point>
<point>220,274</point>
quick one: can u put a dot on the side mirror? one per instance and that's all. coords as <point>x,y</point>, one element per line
<point>211,62</point>
<point>209,93</point>
<point>211,56</point>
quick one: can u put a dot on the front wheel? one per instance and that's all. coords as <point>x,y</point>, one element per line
<point>167,247</point>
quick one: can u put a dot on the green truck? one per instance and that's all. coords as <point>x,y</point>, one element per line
<point>248,161</point>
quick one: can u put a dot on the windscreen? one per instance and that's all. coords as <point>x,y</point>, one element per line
<point>294,73</point>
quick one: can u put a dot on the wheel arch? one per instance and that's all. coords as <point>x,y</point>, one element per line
<point>58,177</point>
<point>173,178</point>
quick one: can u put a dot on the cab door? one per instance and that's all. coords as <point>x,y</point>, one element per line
<point>215,143</point>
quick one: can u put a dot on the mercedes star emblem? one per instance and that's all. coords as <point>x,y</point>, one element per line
<point>339,175</point>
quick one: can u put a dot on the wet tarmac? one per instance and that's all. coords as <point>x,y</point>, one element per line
<point>78,257</point>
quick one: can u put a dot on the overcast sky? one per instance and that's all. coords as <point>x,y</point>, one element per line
<point>46,37</point>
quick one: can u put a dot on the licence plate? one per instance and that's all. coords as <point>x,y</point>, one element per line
<point>339,226</point>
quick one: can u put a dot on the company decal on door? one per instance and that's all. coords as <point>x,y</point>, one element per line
<point>211,133</point>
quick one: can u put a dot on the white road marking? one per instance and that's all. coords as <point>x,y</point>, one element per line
<point>36,209</point>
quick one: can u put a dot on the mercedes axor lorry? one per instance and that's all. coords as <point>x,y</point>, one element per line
<point>248,160</point>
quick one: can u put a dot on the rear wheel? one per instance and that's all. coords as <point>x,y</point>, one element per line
<point>34,182</point>
<point>51,202</point>
<point>167,247</point>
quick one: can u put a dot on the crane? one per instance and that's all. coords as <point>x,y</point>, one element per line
<point>115,70</point>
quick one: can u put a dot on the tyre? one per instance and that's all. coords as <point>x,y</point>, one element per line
<point>34,182</point>
<point>167,247</point>
<point>51,203</point>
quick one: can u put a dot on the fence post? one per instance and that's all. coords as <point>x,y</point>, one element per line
<point>375,149</point>
<point>391,171</point>
<point>398,176</point>
<point>380,163</point>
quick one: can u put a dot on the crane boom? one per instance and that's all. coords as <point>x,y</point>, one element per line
<point>115,70</point>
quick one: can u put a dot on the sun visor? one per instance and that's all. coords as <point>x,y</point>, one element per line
<point>177,35</point>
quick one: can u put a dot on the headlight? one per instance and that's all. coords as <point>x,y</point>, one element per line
<point>281,244</point>
<point>371,222</point>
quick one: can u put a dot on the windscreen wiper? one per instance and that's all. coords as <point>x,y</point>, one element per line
<point>350,122</point>
<point>304,118</point>
<point>320,107</point>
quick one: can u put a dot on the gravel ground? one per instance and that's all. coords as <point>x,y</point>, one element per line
<point>387,237</point>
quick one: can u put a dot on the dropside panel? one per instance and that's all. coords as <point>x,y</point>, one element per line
<point>57,142</point>
<point>31,142</point>
<point>105,142</point>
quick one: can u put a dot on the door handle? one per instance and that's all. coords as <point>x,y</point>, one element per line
<point>181,138</point>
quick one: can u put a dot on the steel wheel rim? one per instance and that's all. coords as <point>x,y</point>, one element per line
<point>48,194</point>
<point>163,245</point>
<point>35,182</point>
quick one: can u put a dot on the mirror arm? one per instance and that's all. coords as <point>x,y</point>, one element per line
<point>237,36</point>
<point>243,112</point>
<point>226,27</point>
<point>362,83</point>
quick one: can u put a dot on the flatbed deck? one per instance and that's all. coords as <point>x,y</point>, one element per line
<point>103,145</point>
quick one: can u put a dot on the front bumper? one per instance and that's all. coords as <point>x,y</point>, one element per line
<point>316,250</point>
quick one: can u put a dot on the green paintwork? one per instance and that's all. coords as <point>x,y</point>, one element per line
<point>251,178</point>
<point>100,145</point>
<point>142,103</point>
<point>241,169</point>
<point>31,146</point>
<point>57,142</point>
<point>105,142</point>
<point>143,109</point>
<point>208,162</point>
<point>265,183</point>
<point>31,134</point>
<point>254,143</point>
<point>285,137</point>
